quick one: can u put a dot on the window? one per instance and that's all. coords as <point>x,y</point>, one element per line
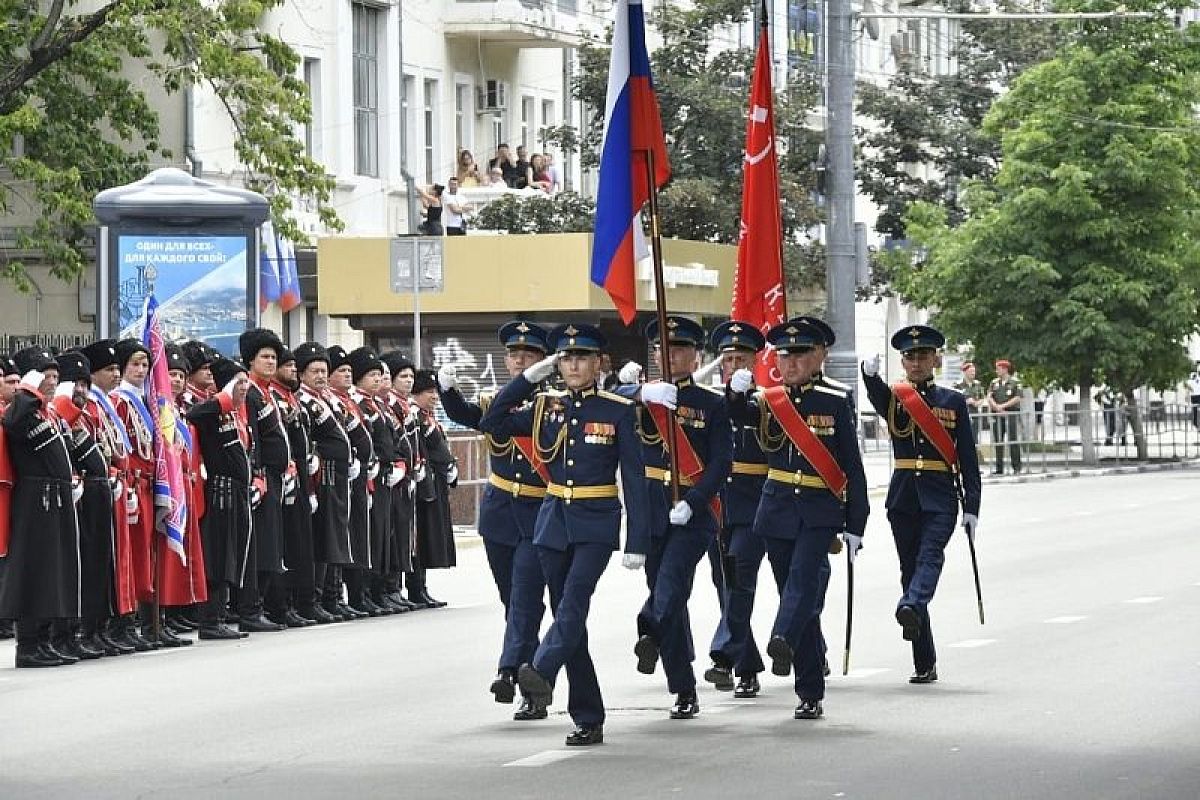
<point>527,121</point>
<point>408,90</point>
<point>498,136</point>
<point>312,131</point>
<point>548,118</point>
<point>365,49</point>
<point>430,140</point>
<point>462,118</point>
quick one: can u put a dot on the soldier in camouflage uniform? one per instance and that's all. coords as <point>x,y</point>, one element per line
<point>1004,400</point>
<point>976,395</point>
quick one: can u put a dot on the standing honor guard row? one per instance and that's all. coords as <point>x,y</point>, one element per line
<point>301,500</point>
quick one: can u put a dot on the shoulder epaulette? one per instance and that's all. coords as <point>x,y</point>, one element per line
<point>607,395</point>
<point>830,390</point>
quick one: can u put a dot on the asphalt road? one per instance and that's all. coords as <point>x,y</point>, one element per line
<point>1084,683</point>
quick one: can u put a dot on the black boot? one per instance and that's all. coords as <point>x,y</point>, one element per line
<point>687,705</point>
<point>504,687</point>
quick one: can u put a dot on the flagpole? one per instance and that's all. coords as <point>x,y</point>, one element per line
<point>660,304</point>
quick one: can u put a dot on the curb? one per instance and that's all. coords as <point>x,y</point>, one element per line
<point>1091,472</point>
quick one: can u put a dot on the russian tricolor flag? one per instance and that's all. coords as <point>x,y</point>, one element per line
<point>632,130</point>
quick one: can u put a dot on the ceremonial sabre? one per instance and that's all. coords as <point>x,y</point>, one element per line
<point>849,609</point>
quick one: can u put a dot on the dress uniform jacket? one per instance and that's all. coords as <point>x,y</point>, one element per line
<point>113,443</point>
<point>360,443</point>
<point>224,441</point>
<point>41,570</point>
<point>331,522</point>
<point>912,488</point>
<point>408,453</point>
<point>383,445</point>
<point>297,511</point>
<point>271,456</point>
<point>435,530</point>
<point>95,514</point>
<point>131,407</point>
<point>785,504</point>
<point>584,437</point>
<point>508,510</point>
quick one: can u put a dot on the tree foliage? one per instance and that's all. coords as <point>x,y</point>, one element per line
<point>74,119</point>
<point>1081,256</point>
<point>703,95</point>
<point>565,212</point>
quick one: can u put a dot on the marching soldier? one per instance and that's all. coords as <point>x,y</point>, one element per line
<point>508,512</point>
<point>295,591</point>
<point>39,539</point>
<point>584,435</point>
<point>334,466</point>
<point>733,650</point>
<point>815,488</point>
<point>935,468</point>
<point>224,440</point>
<point>681,528</point>
<point>273,466</point>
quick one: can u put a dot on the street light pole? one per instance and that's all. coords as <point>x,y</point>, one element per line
<point>842,363</point>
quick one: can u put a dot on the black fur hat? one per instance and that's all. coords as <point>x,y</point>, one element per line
<point>396,361</point>
<point>198,354</point>
<point>424,380</point>
<point>307,353</point>
<point>337,357</point>
<point>285,355</point>
<point>125,350</point>
<point>362,360</point>
<point>101,354</point>
<point>73,365</point>
<point>176,359</point>
<point>257,339</point>
<point>224,370</point>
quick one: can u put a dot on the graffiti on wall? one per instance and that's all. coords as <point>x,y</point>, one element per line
<point>476,365</point>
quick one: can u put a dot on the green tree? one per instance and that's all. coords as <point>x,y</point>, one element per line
<point>702,96</point>
<point>1081,256</point>
<point>937,120</point>
<point>74,121</point>
<point>565,212</point>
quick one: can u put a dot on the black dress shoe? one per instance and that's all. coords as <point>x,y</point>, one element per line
<point>781,655</point>
<point>720,676</point>
<point>809,709</point>
<point>168,639</point>
<point>910,621</point>
<point>529,710</point>
<point>259,625</point>
<point>400,600</point>
<point>368,605</point>
<point>50,651</point>
<point>117,644</point>
<point>687,706</point>
<point>504,687</point>
<point>182,621</point>
<point>140,642</point>
<point>747,686</point>
<point>219,633</point>
<point>924,676</point>
<point>317,614</point>
<point>69,648</point>
<point>97,641</point>
<point>429,601</point>
<point>417,602</point>
<point>586,735</point>
<point>646,651</point>
<point>534,686</point>
<point>350,612</point>
<point>37,657</point>
<point>295,620</point>
<point>88,650</point>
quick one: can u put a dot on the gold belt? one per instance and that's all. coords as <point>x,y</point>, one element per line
<point>933,465</point>
<point>516,489</point>
<point>796,479</point>
<point>569,493</point>
<point>749,468</point>
<point>664,475</point>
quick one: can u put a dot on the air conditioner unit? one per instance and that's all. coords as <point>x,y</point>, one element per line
<point>492,96</point>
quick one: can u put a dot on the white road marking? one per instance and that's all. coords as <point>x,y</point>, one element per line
<point>1063,620</point>
<point>1144,600</point>
<point>864,672</point>
<point>543,758</point>
<point>969,643</point>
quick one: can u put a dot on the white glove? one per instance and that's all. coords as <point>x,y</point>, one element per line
<point>393,478</point>
<point>65,389</point>
<point>661,392</point>
<point>314,464</point>
<point>373,470</point>
<point>853,544</point>
<point>630,373</point>
<point>256,496</point>
<point>452,474</point>
<point>633,561</point>
<point>117,488</point>
<point>411,416</point>
<point>448,377</point>
<point>411,486</point>
<point>76,491</point>
<point>419,472</point>
<point>131,501</point>
<point>704,373</point>
<point>229,387</point>
<point>33,379</point>
<point>312,503</point>
<point>970,525</point>
<point>541,370</point>
<point>681,513</point>
<point>289,484</point>
<point>741,381</point>
<point>870,366</point>
<point>355,468</point>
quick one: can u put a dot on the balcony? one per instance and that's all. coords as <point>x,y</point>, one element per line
<point>516,23</point>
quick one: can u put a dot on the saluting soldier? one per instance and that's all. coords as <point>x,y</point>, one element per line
<point>584,435</point>
<point>223,430</point>
<point>815,488</point>
<point>682,528</point>
<point>733,649</point>
<point>936,468</point>
<point>335,463</point>
<point>39,538</point>
<point>508,512</point>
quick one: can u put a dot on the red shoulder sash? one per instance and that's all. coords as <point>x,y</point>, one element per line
<point>805,440</point>
<point>923,416</point>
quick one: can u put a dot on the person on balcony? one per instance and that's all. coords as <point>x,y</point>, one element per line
<point>468,170</point>
<point>431,201</point>
<point>536,174</point>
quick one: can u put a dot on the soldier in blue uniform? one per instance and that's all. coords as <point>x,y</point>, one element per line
<point>815,488</point>
<point>508,513</point>
<point>926,486</point>
<point>733,649</point>
<point>584,435</point>
<point>681,528</point>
